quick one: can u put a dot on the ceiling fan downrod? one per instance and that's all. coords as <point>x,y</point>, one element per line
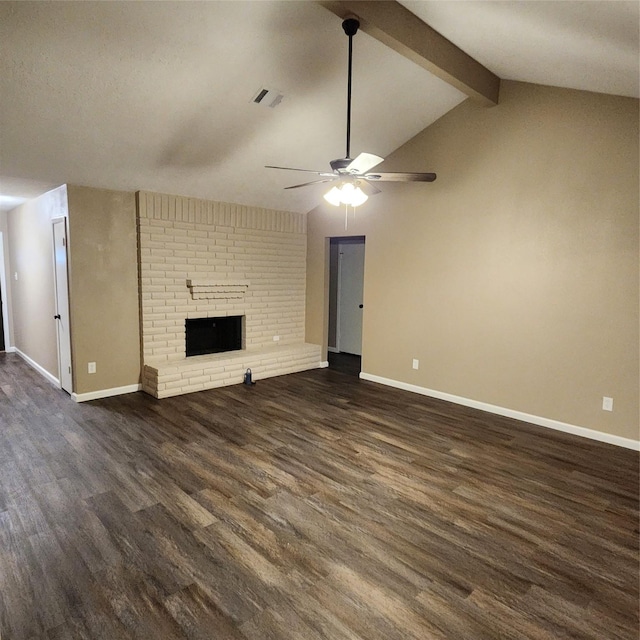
<point>355,182</point>
<point>350,26</point>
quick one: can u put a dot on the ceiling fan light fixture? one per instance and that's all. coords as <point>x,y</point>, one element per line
<point>333,196</point>
<point>346,193</point>
<point>356,196</point>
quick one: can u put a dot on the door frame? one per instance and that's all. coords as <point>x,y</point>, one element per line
<point>8,347</point>
<point>62,301</point>
<point>355,239</point>
<point>349,246</point>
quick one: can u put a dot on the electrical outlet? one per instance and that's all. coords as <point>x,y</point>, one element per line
<point>416,363</point>
<point>276,338</point>
<point>607,403</point>
<point>91,367</point>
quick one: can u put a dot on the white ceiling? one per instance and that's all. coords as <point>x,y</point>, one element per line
<point>158,95</point>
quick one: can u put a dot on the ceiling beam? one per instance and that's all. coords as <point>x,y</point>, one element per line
<point>398,28</point>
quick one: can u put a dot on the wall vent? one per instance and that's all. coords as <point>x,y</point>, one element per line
<point>268,98</point>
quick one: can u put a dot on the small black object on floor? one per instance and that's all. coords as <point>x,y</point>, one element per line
<point>345,363</point>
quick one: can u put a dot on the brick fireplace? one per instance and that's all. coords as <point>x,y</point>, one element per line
<point>202,259</point>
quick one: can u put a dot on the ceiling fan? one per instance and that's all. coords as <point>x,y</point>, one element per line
<point>353,176</point>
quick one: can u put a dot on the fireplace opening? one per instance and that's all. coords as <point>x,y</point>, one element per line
<point>213,335</point>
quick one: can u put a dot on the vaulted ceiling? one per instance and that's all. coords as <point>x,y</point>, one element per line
<point>159,95</point>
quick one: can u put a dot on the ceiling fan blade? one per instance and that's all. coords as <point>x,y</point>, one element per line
<point>319,173</point>
<point>400,177</point>
<point>306,184</point>
<point>368,188</point>
<point>363,163</point>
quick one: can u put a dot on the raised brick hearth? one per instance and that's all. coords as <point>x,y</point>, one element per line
<point>185,375</point>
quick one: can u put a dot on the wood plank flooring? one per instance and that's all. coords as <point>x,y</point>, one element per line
<point>310,506</point>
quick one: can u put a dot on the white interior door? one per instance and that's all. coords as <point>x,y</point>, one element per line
<point>350,304</point>
<point>62,304</point>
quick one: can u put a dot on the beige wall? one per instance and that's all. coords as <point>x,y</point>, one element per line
<point>30,242</point>
<point>103,288</point>
<point>514,277</point>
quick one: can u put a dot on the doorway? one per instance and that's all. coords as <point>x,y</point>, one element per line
<point>62,303</point>
<point>4,309</point>
<point>2,345</point>
<point>346,283</point>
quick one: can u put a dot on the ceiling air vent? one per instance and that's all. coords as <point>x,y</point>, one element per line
<point>268,98</point>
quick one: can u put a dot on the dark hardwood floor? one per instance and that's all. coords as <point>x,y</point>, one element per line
<point>310,506</point>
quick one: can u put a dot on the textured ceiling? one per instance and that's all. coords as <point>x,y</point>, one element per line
<point>158,95</point>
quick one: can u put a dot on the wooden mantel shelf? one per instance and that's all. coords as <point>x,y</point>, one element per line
<point>210,289</point>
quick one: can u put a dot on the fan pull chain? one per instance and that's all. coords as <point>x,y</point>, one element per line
<point>346,215</point>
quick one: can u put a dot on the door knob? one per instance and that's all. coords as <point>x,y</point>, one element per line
<point>360,306</point>
<point>56,317</point>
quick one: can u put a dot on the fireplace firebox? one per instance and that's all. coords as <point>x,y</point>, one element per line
<point>213,335</point>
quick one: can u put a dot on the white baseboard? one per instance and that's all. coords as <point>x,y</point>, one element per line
<point>10,349</point>
<point>42,371</point>
<point>105,393</point>
<point>324,364</point>
<point>333,349</point>
<point>592,434</point>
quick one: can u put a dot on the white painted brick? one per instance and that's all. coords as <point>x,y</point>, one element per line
<point>171,377</point>
<point>222,376</point>
<point>161,295</point>
<point>154,273</point>
<point>162,350</point>
<point>194,387</point>
<point>159,306</point>
<point>266,247</point>
<point>188,374</point>
<point>172,384</point>
<point>155,331</point>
